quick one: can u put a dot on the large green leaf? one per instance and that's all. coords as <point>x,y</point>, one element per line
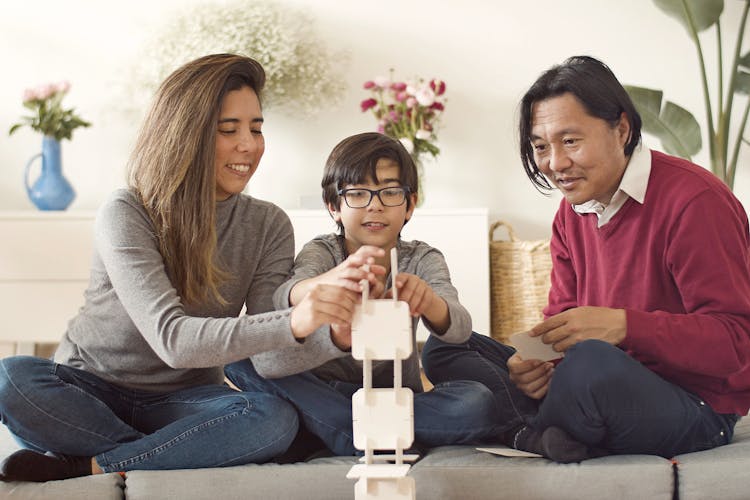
<point>704,13</point>
<point>743,83</point>
<point>745,61</point>
<point>676,127</point>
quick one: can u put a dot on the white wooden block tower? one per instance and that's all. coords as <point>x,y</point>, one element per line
<point>383,419</point>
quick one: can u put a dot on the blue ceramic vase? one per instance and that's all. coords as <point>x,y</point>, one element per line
<point>51,191</point>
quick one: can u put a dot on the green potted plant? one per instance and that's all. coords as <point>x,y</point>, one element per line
<point>677,128</point>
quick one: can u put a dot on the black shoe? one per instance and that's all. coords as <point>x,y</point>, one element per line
<point>29,465</point>
<point>553,443</point>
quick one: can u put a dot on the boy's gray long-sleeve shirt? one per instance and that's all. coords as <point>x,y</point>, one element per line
<point>134,330</point>
<point>319,354</point>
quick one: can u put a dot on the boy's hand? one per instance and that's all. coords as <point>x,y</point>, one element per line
<point>347,275</point>
<point>414,291</point>
<point>322,305</point>
<point>532,376</point>
<point>422,300</point>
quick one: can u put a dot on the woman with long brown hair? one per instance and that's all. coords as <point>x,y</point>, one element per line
<point>137,381</point>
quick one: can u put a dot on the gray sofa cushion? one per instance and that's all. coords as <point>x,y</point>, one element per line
<point>462,472</point>
<point>444,473</point>
<point>101,487</point>
<point>723,472</point>
<point>320,479</point>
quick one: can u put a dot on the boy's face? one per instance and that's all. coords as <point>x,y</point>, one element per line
<point>374,224</point>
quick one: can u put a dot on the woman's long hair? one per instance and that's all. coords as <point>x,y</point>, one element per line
<point>172,168</point>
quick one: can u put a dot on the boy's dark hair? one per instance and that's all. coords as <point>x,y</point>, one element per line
<point>595,87</point>
<point>354,159</point>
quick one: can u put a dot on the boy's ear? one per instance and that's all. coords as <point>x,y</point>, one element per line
<point>412,205</point>
<point>334,211</point>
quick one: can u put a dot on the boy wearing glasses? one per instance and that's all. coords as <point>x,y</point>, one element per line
<point>370,188</point>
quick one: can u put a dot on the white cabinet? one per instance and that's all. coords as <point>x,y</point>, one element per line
<point>44,266</point>
<point>45,259</point>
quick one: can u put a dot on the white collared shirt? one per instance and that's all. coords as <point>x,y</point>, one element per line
<point>633,185</point>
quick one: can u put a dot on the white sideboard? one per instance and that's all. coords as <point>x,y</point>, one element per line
<point>45,259</point>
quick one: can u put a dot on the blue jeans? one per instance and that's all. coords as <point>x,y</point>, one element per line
<point>57,408</point>
<point>460,412</point>
<point>598,394</point>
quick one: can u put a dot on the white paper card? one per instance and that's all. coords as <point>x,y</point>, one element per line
<point>510,452</point>
<point>533,347</point>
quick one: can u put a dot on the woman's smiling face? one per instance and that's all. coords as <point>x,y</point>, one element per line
<point>239,141</point>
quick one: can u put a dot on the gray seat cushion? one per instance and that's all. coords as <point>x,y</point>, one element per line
<point>101,487</point>
<point>723,472</point>
<point>462,472</point>
<point>320,479</point>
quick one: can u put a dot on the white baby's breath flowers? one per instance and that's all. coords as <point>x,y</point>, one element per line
<point>302,74</point>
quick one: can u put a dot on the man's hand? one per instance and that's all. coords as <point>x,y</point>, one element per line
<point>322,305</point>
<point>575,325</point>
<point>532,376</point>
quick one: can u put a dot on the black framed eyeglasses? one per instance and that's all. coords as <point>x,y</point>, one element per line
<point>361,197</point>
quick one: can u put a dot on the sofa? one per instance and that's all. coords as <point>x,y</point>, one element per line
<point>449,472</point>
<point>453,472</point>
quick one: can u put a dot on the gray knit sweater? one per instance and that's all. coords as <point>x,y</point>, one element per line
<point>133,329</point>
<point>318,353</point>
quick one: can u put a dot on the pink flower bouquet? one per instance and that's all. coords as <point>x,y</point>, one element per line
<point>49,117</point>
<point>407,111</point>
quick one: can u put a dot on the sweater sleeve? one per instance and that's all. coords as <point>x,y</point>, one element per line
<point>433,269</point>
<point>563,283</point>
<point>125,240</point>
<point>314,259</point>
<point>707,256</point>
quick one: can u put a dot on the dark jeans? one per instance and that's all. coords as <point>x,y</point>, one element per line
<point>457,412</point>
<point>52,407</point>
<point>598,394</point>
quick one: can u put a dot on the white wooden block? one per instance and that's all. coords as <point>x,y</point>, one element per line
<point>402,488</point>
<point>383,419</point>
<point>391,457</point>
<point>378,471</point>
<point>381,329</point>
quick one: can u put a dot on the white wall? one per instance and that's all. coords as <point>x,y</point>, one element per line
<point>488,52</point>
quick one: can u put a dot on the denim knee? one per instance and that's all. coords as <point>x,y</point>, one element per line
<point>466,399</point>
<point>265,428</point>
<point>590,365</point>
<point>13,370</point>
<point>479,400</point>
<point>431,354</point>
<point>283,420</point>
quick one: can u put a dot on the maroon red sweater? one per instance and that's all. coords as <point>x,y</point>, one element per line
<point>680,266</point>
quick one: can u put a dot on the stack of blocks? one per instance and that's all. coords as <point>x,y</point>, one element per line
<point>383,418</point>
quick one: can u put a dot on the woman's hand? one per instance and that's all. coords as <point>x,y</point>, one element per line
<point>323,305</point>
<point>357,267</point>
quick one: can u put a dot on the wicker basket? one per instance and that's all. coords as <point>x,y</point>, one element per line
<point>519,281</point>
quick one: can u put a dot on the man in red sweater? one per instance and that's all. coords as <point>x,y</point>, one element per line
<point>650,296</point>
